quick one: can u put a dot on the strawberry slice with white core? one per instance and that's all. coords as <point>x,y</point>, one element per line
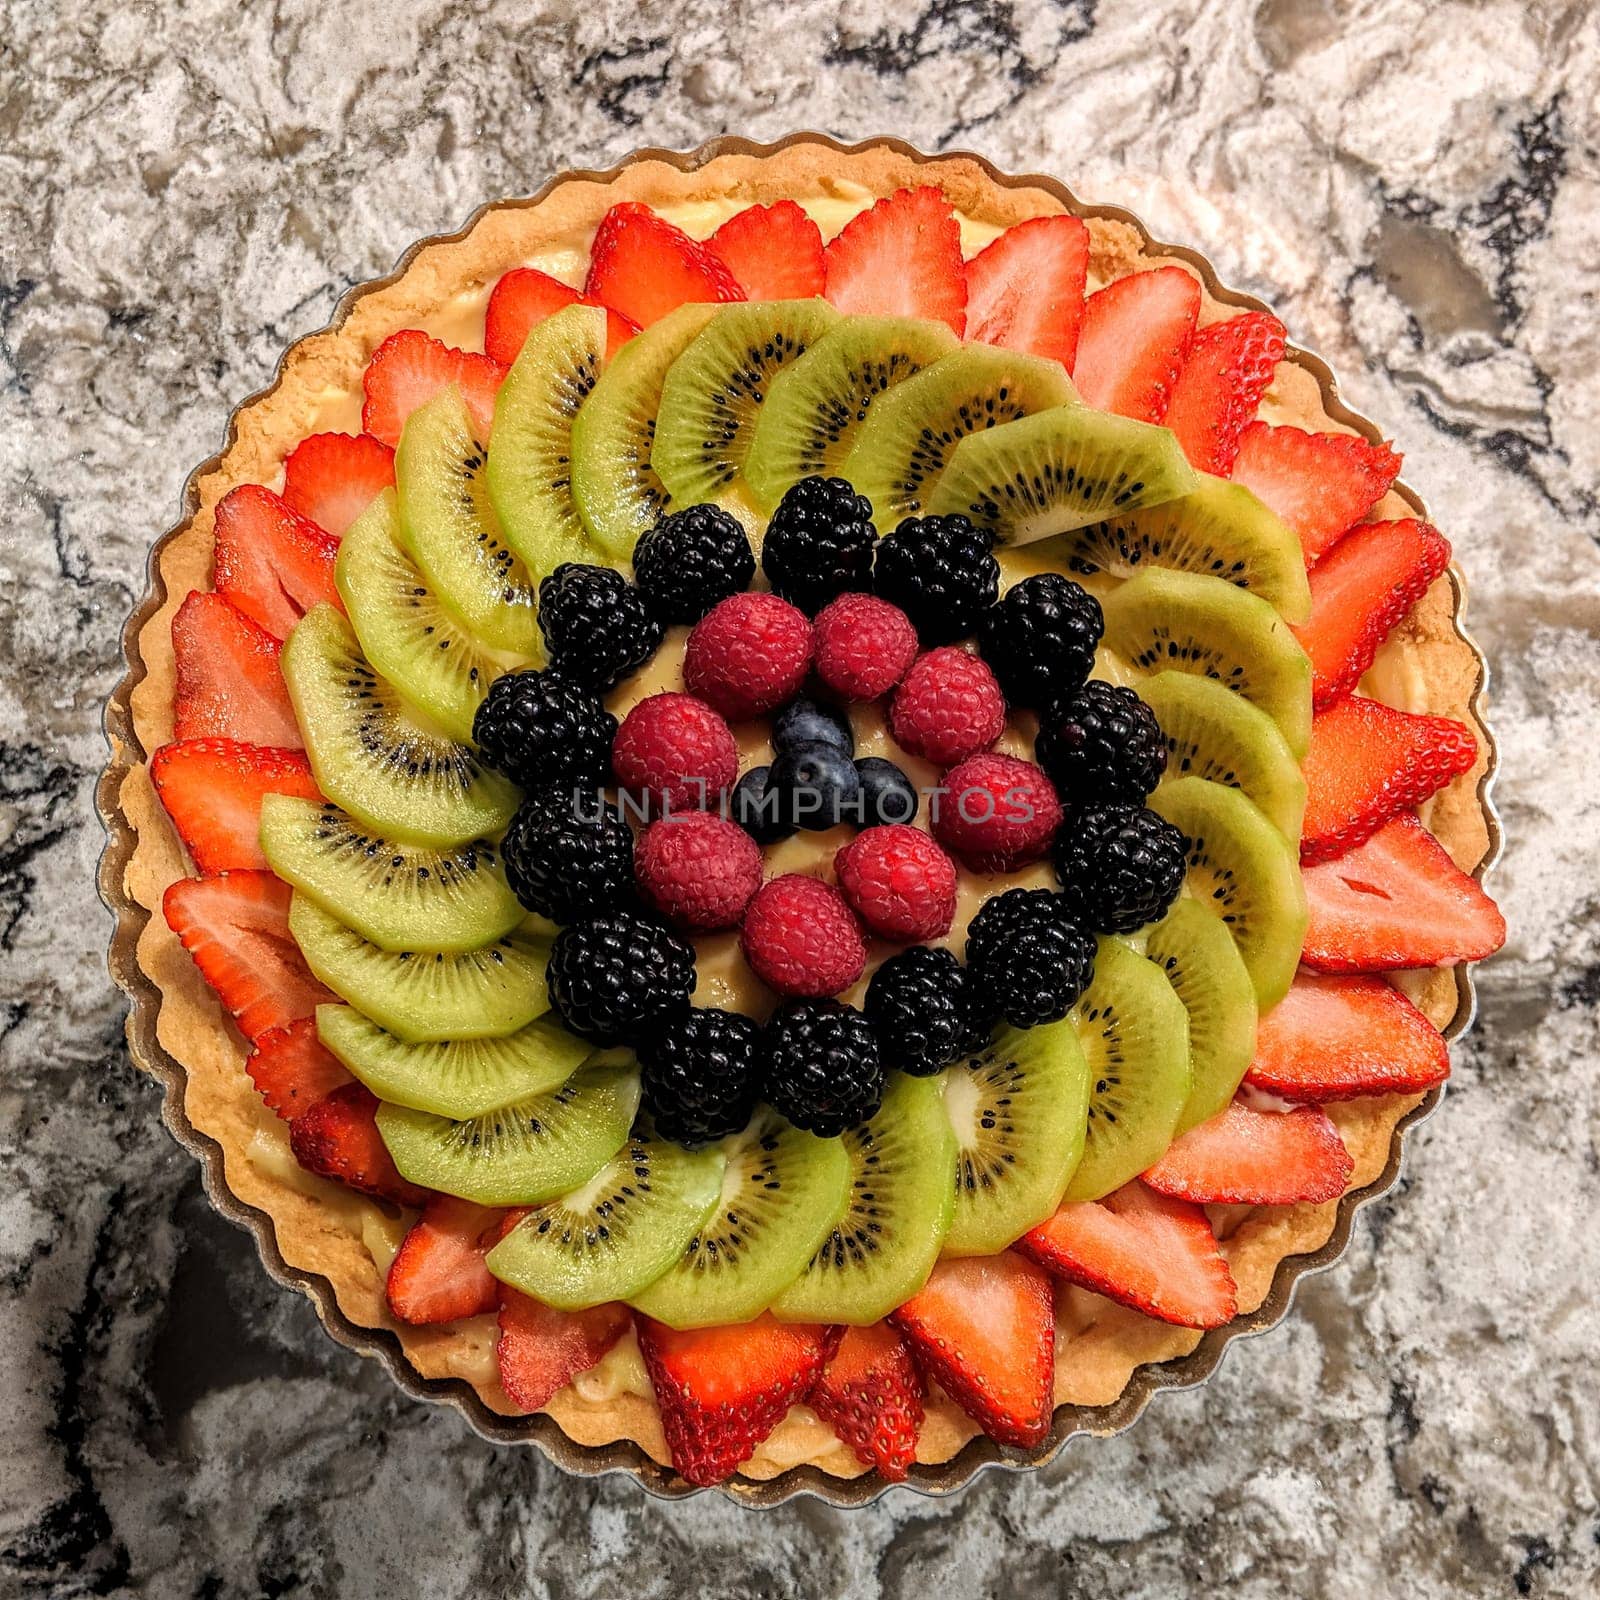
<point>871,1395</point>
<point>1227,370</point>
<point>523,298</point>
<point>271,562</point>
<point>438,1274</point>
<point>1340,1038</point>
<point>292,1069</point>
<point>541,1350</point>
<point>644,267</point>
<point>1142,1250</point>
<point>333,477</point>
<point>1025,289</point>
<point>774,251</point>
<point>212,789</point>
<point>229,685</point>
<point>900,258</point>
<point>1134,337</point>
<point>1243,1156</point>
<point>409,368</point>
<point>338,1139</point>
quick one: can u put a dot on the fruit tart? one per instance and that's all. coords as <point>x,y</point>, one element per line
<point>804,812</point>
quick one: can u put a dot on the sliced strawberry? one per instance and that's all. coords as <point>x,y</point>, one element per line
<point>983,1328</point>
<point>333,477</point>
<point>1319,483</point>
<point>271,562</point>
<point>236,926</point>
<point>1397,901</point>
<point>723,1390</point>
<point>1142,1250</point>
<point>212,790</point>
<point>870,1394</point>
<point>338,1138</point>
<point>1227,370</point>
<point>1339,1038</point>
<point>1255,1158</point>
<point>523,298</point>
<point>408,369</point>
<point>1360,589</point>
<point>1135,335</point>
<point>1025,289</point>
<point>642,266</point>
<point>292,1069</point>
<point>774,251</point>
<point>541,1350</point>
<point>901,258</point>
<point>228,682</point>
<point>438,1273</point>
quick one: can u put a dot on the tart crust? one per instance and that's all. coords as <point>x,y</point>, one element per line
<point>327,1232</point>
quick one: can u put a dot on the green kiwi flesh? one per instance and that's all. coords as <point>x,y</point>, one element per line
<point>398,896</point>
<point>619,495</point>
<point>815,408</point>
<point>1182,621</point>
<point>425,995</point>
<point>783,1192</point>
<point>449,529</point>
<point>452,1077</point>
<point>715,390</point>
<point>1244,871</point>
<point>885,1245</point>
<point>1135,1036</point>
<point>1058,470</point>
<point>1203,965</point>
<point>523,1153</point>
<point>376,756</point>
<point>1218,529</point>
<point>1216,734</point>
<point>1019,1109</point>
<point>906,442</point>
<point>616,1233</point>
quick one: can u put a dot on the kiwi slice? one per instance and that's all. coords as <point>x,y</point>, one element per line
<point>522,1153</point>
<point>404,631</point>
<point>425,995</point>
<point>1213,733</point>
<point>1135,1034</point>
<point>449,529</point>
<point>783,1192</point>
<point>453,1077</point>
<point>1058,470</point>
<point>374,755</point>
<point>815,408</point>
<point>617,1233</point>
<point>618,493</point>
<point>1209,976</point>
<point>714,391</point>
<point>883,1248</point>
<point>1218,529</point>
<point>1189,623</point>
<point>530,454</point>
<point>1243,870</point>
<point>910,433</point>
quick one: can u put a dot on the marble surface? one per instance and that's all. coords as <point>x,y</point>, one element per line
<point>185,187</point>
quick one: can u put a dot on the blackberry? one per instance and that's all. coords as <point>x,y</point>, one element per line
<point>820,1066</point>
<point>1120,866</point>
<point>918,1007</point>
<point>698,1075</point>
<point>618,974</point>
<point>595,625</point>
<point>690,562</point>
<point>541,728</point>
<point>1101,745</point>
<point>1027,960</point>
<point>939,571</point>
<point>568,854</point>
<point>1040,640</point>
<point>819,543</point>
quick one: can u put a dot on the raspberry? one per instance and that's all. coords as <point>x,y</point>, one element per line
<point>748,655</point>
<point>697,870</point>
<point>899,882</point>
<point>800,937</point>
<point>675,753</point>
<point>948,708</point>
<point>998,813</point>
<point>864,646</point>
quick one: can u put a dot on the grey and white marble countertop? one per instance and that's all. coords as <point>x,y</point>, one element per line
<point>187,185</point>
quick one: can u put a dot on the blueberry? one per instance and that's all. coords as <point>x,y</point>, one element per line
<point>811,722</point>
<point>887,794</point>
<point>816,785</point>
<point>755,808</point>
